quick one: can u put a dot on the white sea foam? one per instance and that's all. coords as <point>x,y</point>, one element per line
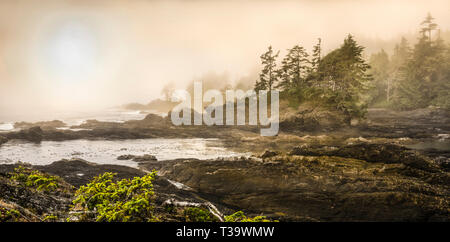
<point>6,126</point>
<point>107,151</point>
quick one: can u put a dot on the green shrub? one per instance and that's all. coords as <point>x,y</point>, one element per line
<point>127,200</point>
<point>35,179</point>
<point>194,214</point>
<point>50,218</point>
<point>240,217</point>
<point>9,215</point>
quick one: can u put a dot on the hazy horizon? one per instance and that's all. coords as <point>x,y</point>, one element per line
<point>83,55</point>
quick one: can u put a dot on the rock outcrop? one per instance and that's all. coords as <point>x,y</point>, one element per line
<point>43,125</point>
<point>34,134</point>
<point>137,158</point>
<point>3,140</point>
<point>78,172</point>
<point>385,153</point>
<point>18,202</point>
<point>312,118</point>
<point>31,205</point>
<point>318,188</point>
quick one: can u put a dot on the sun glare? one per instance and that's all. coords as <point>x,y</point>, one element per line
<point>71,52</point>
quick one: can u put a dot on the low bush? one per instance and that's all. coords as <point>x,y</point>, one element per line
<point>35,179</point>
<point>241,217</point>
<point>127,200</point>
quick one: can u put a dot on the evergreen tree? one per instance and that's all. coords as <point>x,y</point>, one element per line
<point>293,69</point>
<point>443,86</point>
<point>380,71</point>
<point>316,56</point>
<point>428,26</point>
<point>260,85</point>
<point>425,77</point>
<point>402,54</point>
<point>314,85</point>
<point>345,72</point>
<point>268,76</point>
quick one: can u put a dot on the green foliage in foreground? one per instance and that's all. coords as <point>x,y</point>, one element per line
<point>35,179</point>
<point>240,217</point>
<point>194,214</point>
<point>106,199</point>
<point>127,200</point>
<point>50,218</point>
<point>10,215</point>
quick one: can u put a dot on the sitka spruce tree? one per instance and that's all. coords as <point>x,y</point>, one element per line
<point>293,71</point>
<point>342,79</point>
<point>268,76</point>
<point>343,73</point>
<point>381,71</point>
<point>336,81</point>
<point>425,75</point>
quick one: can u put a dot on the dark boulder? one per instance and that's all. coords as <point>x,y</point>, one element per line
<point>142,158</point>
<point>310,117</point>
<point>125,157</point>
<point>3,140</point>
<point>32,205</point>
<point>79,172</point>
<point>268,154</point>
<point>34,134</point>
<point>383,153</point>
<point>315,188</point>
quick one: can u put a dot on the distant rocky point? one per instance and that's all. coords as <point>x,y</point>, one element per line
<point>42,124</point>
<point>158,105</point>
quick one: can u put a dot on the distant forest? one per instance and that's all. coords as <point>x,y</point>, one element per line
<point>414,76</point>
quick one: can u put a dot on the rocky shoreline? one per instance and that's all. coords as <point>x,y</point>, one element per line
<point>321,187</point>
<point>360,172</point>
<point>298,186</point>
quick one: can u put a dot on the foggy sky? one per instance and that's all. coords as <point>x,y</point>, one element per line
<point>64,55</point>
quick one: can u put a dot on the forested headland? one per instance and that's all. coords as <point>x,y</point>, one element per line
<point>415,75</point>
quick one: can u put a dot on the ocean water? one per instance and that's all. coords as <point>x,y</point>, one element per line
<point>436,144</point>
<point>107,151</point>
<point>71,118</point>
<point>102,151</point>
<point>6,126</point>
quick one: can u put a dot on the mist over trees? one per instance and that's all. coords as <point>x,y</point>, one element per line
<point>338,80</point>
<point>411,77</point>
<point>414,77</point>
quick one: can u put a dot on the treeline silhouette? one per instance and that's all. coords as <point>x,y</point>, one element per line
<point>345,81</point>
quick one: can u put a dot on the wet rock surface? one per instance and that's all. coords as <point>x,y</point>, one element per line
<point>78,172</point>
<point>31,204</point>
<point>312,118</point>
<point>137,158</point>
<point>43,125</point>
<point>318,188</point>
<point>293,187</point>
<point>364,172</point>
<point>3,140</point>
<point>269,153</point>
<point>385,153</point>
<point>34,205</point>
<point>34,134</point>
<point>419,124</point>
